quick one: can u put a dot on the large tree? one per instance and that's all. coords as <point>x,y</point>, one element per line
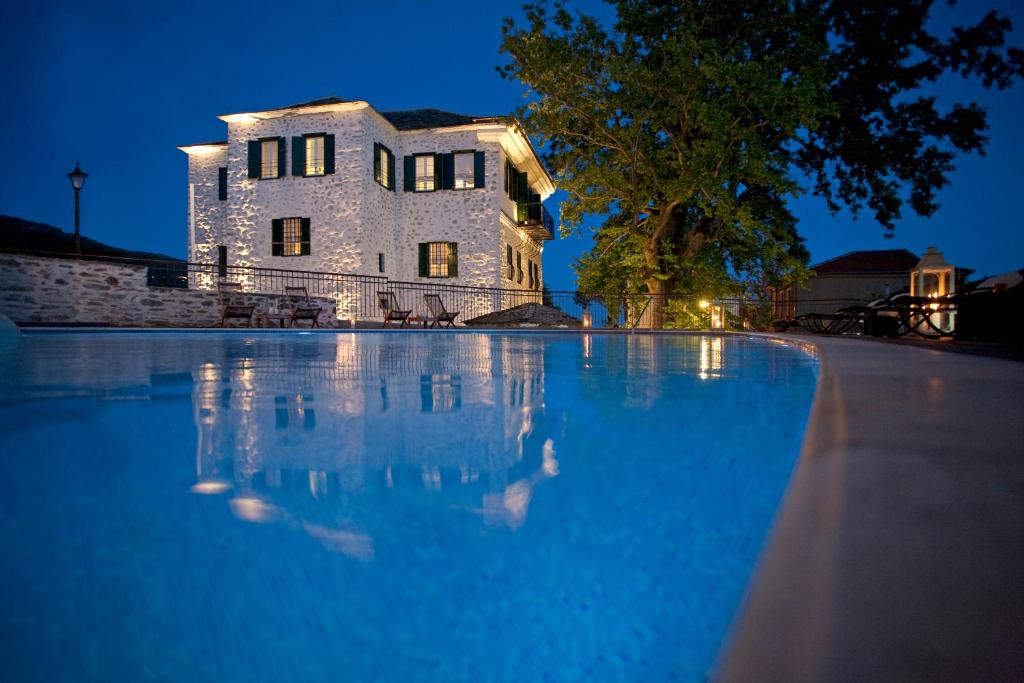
<point>689,123</point>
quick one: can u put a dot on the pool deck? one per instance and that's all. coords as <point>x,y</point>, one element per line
<point>898,551</point>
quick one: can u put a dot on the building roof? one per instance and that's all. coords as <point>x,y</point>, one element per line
<point>416,119</point>
<point>411,119</point>
<point>871,261</point>
<point>525,315</point>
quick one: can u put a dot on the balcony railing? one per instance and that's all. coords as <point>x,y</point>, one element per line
<point>535,220</point>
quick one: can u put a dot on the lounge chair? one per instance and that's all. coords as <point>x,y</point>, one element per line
<point>389,305</point>
<point>232,306</point>
<point>438,314</point>
<point>850,319</point>
<point>301,308</point>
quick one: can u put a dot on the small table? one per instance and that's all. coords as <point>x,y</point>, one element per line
<point>264,319</point>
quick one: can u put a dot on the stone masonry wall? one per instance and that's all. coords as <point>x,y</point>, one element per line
<point>53,290</point>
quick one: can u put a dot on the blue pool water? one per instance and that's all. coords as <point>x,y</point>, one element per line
<point>372,506</point>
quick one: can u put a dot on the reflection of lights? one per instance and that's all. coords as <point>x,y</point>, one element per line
<point>588,346</point>
<point>252,509</point>
<point>550,466</point>
<point>358,546</point>
<point>710,357</point>
<point>211,487</point>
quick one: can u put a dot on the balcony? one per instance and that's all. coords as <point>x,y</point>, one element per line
<point>535,221</point>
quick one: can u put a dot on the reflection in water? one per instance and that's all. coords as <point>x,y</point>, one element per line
<point>710,357</point>
<point>417,418</point>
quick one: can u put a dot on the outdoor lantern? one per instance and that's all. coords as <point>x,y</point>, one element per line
<point>933,278</point>
<point>587,319</point>
<point>77,178</point>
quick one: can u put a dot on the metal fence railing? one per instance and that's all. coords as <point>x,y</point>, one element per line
<point>356,296</point>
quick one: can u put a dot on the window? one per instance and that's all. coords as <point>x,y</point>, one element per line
<point>314,155</point>
<point>529,270</point>
<point>222,261</point>
<point>465,177</point>
<point>511,272</point>
<point>290,237</point>
<point>424,172</point>
<point>380,263</point>
<point>519,267</point>
<point>268,158</point>
<point>383,166</point>
<point>222,183</point>
<point>439,259</point>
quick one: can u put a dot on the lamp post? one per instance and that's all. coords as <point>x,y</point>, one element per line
<point>77,178</point>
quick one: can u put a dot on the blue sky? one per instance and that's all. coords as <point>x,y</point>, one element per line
<point>119,85</point>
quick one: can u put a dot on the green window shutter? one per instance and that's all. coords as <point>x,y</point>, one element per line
<point>222,183</point>
<point>453,259</point>
<point>478,170</point>
<point>376,161</point>
<point>424,258</point>
<point>305,237</point>
<point>277,237</point>
<point>410,174</point>
<point>391,171</point>
<point>281,157</point>
<point>524,188</point>
<point>298,156</point>
<point>255,158</point>
<point>447,171</point>
<point>329,154</point>
<point>438,174</point>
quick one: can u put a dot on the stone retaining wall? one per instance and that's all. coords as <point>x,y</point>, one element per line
<point>41,290</point>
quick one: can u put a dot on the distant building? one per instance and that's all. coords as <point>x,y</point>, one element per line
<point>858,276</point>
<point>336,186</point>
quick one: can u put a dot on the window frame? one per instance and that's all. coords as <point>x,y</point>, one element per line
<point>471,155</point>
<point>442,255</point>
<point>273,158</point>
<point>433,172</point>
<point>306,139</point>
<point>383,167</point>
<point>293,231</point>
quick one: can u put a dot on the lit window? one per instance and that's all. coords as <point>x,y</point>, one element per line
<point>425,173</point>
<point>464,173</point>
<point>315,155</point>
<point>439,259</point>
<point>268,159</point>
<point>292,236</point>
<point>383,166</point>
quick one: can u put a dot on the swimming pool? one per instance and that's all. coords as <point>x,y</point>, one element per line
<point>385,506</point>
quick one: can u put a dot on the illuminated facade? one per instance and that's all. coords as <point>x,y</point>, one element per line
<point>336,186</point>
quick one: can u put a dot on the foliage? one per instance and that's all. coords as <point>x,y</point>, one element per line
<point>688,122</point>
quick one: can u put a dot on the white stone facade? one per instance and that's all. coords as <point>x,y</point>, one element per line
<point>352,218</point>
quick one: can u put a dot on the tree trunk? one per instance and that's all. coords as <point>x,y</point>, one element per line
<point>655,314</point>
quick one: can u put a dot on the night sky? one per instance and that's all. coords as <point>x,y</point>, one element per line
<point>119,85</point>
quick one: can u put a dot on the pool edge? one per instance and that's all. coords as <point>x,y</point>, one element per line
<point>895,553</point>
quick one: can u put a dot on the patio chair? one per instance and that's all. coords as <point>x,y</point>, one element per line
<point>389,305</point>
<point>439,315</point>
<point>232,304</point>
<point>302,309</point>
<point>845,320</point>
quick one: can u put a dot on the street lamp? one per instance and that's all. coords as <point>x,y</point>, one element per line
<point>77,178</point>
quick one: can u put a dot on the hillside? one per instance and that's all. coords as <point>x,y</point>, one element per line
<point>23,235</point>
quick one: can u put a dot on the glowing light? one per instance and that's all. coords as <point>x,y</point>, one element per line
<point>211,487</point>
<point>704,303</point>
<point>252,509</point>
<point>587,319</point>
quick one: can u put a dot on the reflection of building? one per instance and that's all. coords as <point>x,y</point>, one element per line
<point>407,415</point>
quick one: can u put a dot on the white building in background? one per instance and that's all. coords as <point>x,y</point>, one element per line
<point>336,186</point>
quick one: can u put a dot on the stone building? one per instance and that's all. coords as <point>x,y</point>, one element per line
<point>336,186</point>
